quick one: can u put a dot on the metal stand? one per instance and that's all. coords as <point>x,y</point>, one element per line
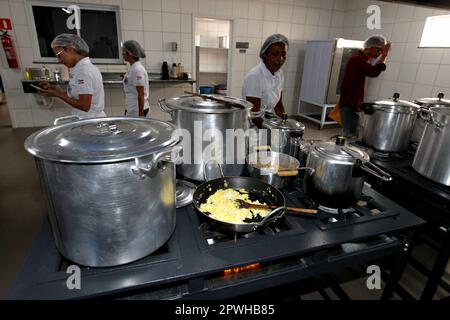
<point>323,114</point>
<point>397,268</point>
<point>437,272</point>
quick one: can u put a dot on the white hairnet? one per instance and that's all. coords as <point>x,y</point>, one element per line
<point>134,48</point>
<point>376,41</point>
<point>69,39</point>
<point>275,38</point>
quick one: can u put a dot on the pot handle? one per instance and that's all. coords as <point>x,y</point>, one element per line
<point>271,217</point>
<point>63,119</point>
<point>142,170</point>
<point>218,164</point>
<point>437,124</point>
<point>376,171</point>
<point>424,113</point>
<point>163,106</point>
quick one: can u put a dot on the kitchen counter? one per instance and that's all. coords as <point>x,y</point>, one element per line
<point>109,78</point>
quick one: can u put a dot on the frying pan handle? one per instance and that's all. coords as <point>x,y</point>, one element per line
<point>274,215</point>
<point>218,164</point>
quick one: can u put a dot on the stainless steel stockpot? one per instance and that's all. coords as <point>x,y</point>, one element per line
<point>387,125</point>
<point>285,135</point>
<point>198,116</point>
<point>427,103</point>
<point>432,158</point>
<point>109,185</point>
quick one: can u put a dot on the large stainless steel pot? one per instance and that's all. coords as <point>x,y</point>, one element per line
<point>274,168</point>
<point>387,125</point>
<point>427,103</point>
<point>205,124</point>
<point>432,158</point>
<point>338,176</point>
<point>109,185</point>
<point>284,135</point>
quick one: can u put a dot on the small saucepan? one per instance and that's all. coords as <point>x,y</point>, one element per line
<point>275,168</point>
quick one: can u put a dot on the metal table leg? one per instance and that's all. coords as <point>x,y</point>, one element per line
<point>398,268</point>
<point>438,270</point>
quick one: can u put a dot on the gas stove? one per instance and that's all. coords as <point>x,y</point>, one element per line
<point>200,261</point>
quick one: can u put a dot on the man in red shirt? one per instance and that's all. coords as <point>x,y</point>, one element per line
<point>368,62</point>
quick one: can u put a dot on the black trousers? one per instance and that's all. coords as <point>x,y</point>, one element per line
<point>145,112</point>
<point>350,119</point>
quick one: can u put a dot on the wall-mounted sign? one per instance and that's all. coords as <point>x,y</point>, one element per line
<point>5,24</point>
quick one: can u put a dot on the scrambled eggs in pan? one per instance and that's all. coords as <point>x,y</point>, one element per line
<point>222,205</point>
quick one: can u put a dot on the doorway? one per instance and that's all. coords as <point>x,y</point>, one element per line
<point>5,119</point>
<point>212,55</point>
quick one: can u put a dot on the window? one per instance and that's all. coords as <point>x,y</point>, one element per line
<point>100,28</point>
<point>436,32</point>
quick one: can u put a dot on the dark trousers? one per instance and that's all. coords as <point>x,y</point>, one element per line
<point>350,119</point>
<point>145,112</point>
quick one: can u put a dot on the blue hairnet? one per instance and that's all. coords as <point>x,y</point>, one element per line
<point>134,48</point>
<point>275,38</point>
<point>69,39</point>
<point>376,41</point>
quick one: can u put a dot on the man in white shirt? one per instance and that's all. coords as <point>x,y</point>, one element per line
<point>85,91</point>
<point>135,82</point>
<point>263,84</point>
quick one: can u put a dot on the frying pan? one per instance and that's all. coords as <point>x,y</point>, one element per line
<point>257,190</point>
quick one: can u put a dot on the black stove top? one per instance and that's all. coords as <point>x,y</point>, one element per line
<point>192,262</point>
<point>423,196</point>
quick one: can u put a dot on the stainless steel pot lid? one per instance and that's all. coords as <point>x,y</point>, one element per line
<point>331,149</point>
<point>284,124</point>
<point>396,105</point>
<point>101,140</point>
<point>433,102</point>
<point>185,193</point>
<point>200,105</point>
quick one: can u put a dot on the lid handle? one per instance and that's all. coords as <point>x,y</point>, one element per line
<point>284,116</point>
<point>340,141</point>
<point>108,128</point>
<point>440,95</point>
<point>396,96</point>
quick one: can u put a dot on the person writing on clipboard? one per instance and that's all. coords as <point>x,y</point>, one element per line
<point>85,91</point>
<point>368,62</point>
<point>263,84</point>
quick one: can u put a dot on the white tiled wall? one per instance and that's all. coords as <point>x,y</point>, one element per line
<point>413,72</point>
<point>155,23</point>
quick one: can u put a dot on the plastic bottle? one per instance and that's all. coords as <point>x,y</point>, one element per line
<point>165,71</point>
<point>174,71</point>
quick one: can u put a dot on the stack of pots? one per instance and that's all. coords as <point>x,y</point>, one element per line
<point>387,125</point>
<point>198,117</point>
<point>109,185</point>
<point>426,103</point>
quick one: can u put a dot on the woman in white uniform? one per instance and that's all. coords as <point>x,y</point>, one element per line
<point>263,84</point>
<point>85,90</point>
<point>135,82</point>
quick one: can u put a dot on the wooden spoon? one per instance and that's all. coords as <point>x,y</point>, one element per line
<point>244,204</point>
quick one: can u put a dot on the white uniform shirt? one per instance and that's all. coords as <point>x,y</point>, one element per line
<point>85,78</point>
<point>261,83</point>
<point>136,76</point>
